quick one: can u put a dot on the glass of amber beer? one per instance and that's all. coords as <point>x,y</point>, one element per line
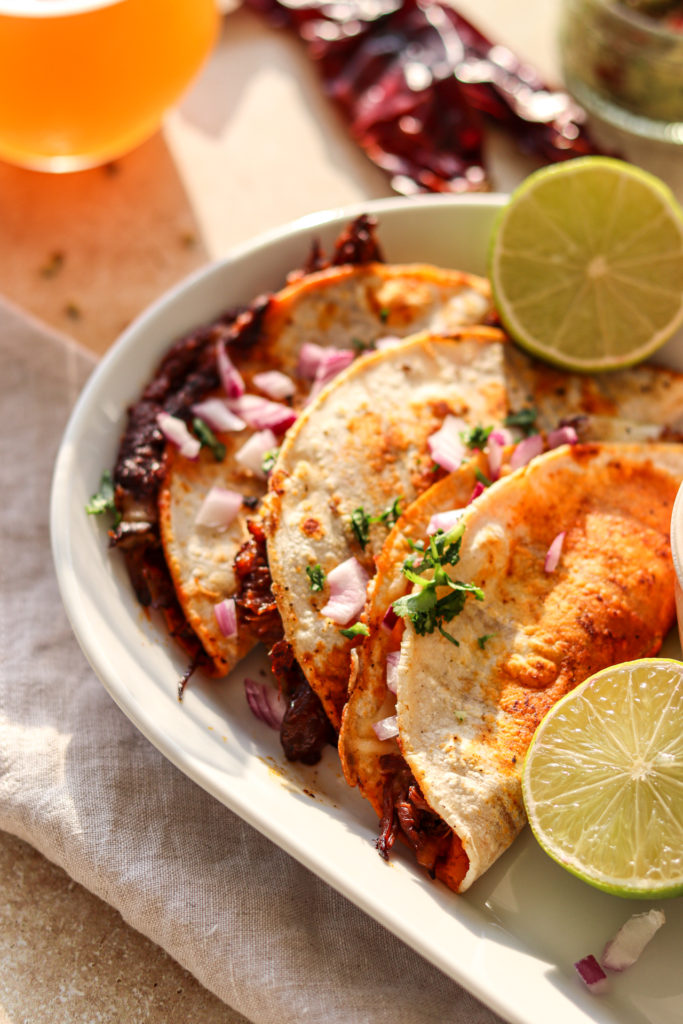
<point>84,81</point>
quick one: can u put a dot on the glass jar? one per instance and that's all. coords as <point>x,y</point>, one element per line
<point>625,66</point>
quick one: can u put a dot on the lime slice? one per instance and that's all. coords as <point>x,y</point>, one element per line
<point>603,780</point>
<point>586,264</point>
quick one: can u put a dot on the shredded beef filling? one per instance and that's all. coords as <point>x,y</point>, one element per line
<point>256,607</point>
<point>305,729</point>
<point>406,813</point>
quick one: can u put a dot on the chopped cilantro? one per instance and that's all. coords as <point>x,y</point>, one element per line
<point>103,500</point>
<point>475,437</point>
<point>208,439</point>
<point>525,419</point>
<point>481,640</point>
<point>360,345</point>
<point>316,576</point>
<point>425,609</point>
<point>384,314</point>
<point>482,477</point>
<point>357,629</point>
<point>390,515</point>
<point>269,459</point>
<point>360,524</point>
<point>361,521</point>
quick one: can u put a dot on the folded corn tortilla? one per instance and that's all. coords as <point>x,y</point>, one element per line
<point>466,714</point>
<point>347,307</point>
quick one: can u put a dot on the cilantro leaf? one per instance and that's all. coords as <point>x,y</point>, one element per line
<point>357,629</point>
<point>208,439</point>
<point>103,500</point>
<point>269,459</point>
<point>360,524</point>
<point>390,516</point>
<point>475,437</point>
<point>524,418</point>
<point>481,640</point>
<point>361,521</point>
<point>316,576</point>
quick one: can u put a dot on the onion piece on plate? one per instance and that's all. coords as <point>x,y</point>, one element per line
<point>592,974</point>
<point>624,949</point>
<point>265,702</point>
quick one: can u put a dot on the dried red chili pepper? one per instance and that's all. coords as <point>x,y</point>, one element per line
<point>415,81</point>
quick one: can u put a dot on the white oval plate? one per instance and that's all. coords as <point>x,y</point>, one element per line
<point>512,940</point>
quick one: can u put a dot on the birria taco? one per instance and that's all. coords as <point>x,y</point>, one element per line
<point>559,569</point>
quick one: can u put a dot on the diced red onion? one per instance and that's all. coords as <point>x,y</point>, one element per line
<point>175,430</point>
<point>631,939</point>
<point>219,508</point>
<point>526,450</point>
<point>446,446</point>
<point>478,489</point>
<point>494,452</point>
<point>592,974</point>
<point>388,341</point>
<point>393,659</point>
<point>261,413</point>
<point>215,412</point>
<point>390,619</point>
<point>347,582</point>
<point>333,361</point>
<point>230,377</point>
<point>310,356</point>
<point>250,455</point>
<point>553,553</point>
<point>386,728</point>
<point>226,617</point>
<point>563,435</point>
<point>444,520</point>
<point>265,702</point>
<point>322,364</point>
<point>501,435</point>
<point>274,384</point>
<point>495,443</point>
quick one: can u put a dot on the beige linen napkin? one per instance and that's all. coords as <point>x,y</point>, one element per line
<point>83,786</point>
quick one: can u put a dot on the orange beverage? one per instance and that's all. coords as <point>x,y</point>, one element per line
<point>84,81</point>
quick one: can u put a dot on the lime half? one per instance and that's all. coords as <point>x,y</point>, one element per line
<point>586,264</point>
<point>603,780</point>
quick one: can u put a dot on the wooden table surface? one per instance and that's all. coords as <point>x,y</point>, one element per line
<point>253,145</point>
